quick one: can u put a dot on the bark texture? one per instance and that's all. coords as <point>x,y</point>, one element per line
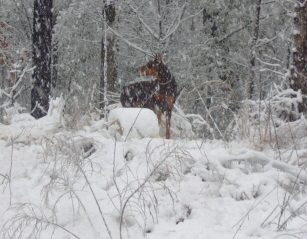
<point>42,50</point>
<point>299,67</point>
<point>108,55</point>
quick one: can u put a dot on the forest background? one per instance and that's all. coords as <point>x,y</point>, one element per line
<point>237,63</point>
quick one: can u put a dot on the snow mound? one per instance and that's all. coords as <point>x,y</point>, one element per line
<point>134,122</point>
<point>23,127</point>
<point>181,127</point>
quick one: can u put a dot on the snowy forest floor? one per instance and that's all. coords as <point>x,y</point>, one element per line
<point>60,183</point>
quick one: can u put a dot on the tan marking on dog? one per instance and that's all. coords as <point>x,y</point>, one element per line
<point>170,100</point>
<point>159,96</point>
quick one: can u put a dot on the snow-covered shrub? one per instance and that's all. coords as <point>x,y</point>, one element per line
<point>260,120</point>
<point>69,170</point>
<point>165,165</point>
<point>292,134</point>
<point>245,174</point>
<point>181,127</point>
<point>25,129</point>
<point>73,114</point>
<point>11,112</point>
<point>15,79</point>
<point>79,109</point>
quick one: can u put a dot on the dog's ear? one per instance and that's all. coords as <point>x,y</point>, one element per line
<point>159,58</point>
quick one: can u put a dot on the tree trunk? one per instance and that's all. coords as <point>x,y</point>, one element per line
<point>252,58</point>
<point>42,50</point>
<point>299,67</point>
<point>160,20</point>
<point>108,71</point>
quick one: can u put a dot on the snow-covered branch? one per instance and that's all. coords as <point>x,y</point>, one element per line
<point>253,157</point>
<point>144,23</point>
<point>177,23</point>
<point>129,42</point>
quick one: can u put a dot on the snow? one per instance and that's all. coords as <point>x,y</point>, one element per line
<point>81,184</point>
<point>135,122</point>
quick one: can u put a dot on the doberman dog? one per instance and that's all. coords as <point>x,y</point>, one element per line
<point>158,95</point>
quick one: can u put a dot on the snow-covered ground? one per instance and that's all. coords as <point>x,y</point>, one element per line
<point>60,183</point>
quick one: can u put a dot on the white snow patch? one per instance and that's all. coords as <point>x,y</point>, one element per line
<point>134,122</point>
<point>154,188</point>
